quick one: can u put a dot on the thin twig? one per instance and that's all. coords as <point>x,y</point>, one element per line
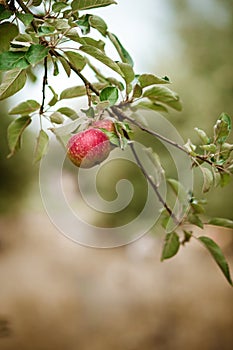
<point>123,116</point>
<point>77,71</point>
<point>26,10</point>
<point>147,176</point>
<point>88,94</point>
<point>45,82</point>
<point>153,185</point>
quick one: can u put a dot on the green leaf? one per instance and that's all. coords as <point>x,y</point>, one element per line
<point>90,4</point>
<point>115,82</point>
<point>110,94</point>
<point>99,24</point>
<point>61,25</point>
<point>137,91</point>
<point>14,133</point>
<point>217,178</point>
<point>123,53</point>
<point>226,149</point>
<point>10,60</point>
<point>57,118</point>
<point>23,38</point>
<point>100,56</point>
<point>77,91</point>
<point>72,34</point>
<point>209,148</point>
<point>112,136</point>
<point>90,112</point>
<point>45,30</point>
<point>222,128</point>
<point>4,13</point>
<point>26,18</point>
<point>203,137</point>
<point>164,218</point>
<point>225,179</point>
<point>127,71</point>
<point>54,99</point>
<point>195,220</point>
<point>65,65</point>
<point>221,222</point>
<point>92,42</point>
<point>151,105</point>
<point>197,207</point>
<point>25,108</point>
<point>187,236</point>
<point>85,40</point>
<point>101,106</point>
<point>159,171</point>
<point>218,256</point>
<point>190,147</point>
<point>84,24</point>
<point>8,31</point>
<point>164,95</point>
<point>171,245</point>
<point>41,146</point>
<point>58,6</point>
<point>150,79</point>
<point>208,179</point>
<point>36,2</point>
<point>179,190</point>
<point>69,128</point>
<point>36,53</point>
<point>77,60</point>
<point>70,113</point>
<point>12,83</point>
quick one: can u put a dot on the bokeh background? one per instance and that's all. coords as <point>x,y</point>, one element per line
<point>55,294</point>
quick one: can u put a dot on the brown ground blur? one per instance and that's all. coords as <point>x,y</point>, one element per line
<point>57,295</point>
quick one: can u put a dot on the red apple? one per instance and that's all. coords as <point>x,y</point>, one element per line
<point>104,124</point>
<point>88,148</point>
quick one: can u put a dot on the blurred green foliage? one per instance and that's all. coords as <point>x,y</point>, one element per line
<point>202,73</point>
<point>205,77</point>
<point>16,173</point>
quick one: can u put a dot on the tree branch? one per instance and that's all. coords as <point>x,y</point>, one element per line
<point>122,116</point>
<point>88,85</point>
<point>26,10</point>
<point>45,82</point>
<point>153,185</point>
<point>147,176</point>
<point>117,111</point>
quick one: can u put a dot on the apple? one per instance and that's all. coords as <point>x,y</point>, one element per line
<point>104,124</point>
<point>109,126</point>
<point>88,148</point>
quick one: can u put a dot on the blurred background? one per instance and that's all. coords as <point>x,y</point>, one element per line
<point>55,294</point>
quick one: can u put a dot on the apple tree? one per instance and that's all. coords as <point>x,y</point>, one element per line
<point>58,35</point>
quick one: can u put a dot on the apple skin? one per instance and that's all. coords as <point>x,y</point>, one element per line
<point>88,148</point>
<point>104,124</point>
